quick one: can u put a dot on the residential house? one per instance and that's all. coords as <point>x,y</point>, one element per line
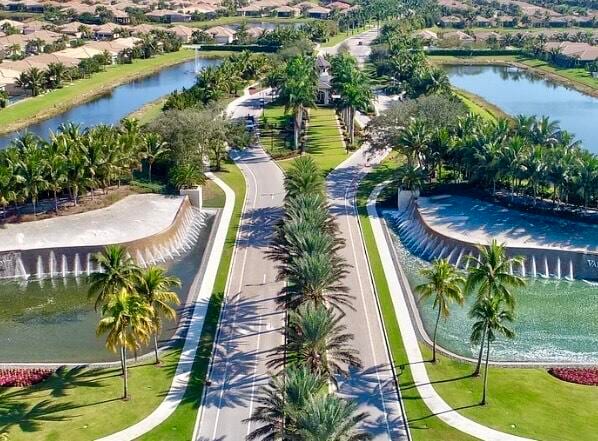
<point>143,29</point>
<point>339,6</point>
<point>458,36</point>
<point>32,26</point>
<point>318,12</point>
<point>451,21</point>
<point>167,16</point>
<point>481,22</point>
<point>251,10</point>
<point>107,31</point>
<point>427,36</point>
<point>221,34</point>
<point>183,32</point>
<point>286,12</point>
<point>324,94</point>
<point>72,29</point>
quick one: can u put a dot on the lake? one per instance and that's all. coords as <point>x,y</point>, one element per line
<point>517,91</point>
<point>120,101</point>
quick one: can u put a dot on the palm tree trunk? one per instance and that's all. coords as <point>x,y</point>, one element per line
<point>149,171</point>
<point>351,125</point>
<point>486,374</point>
<point>55,202</point>
<point>479,364</point>
<point>434,337</point>
<point>125,376</point>
<point>34,207</point>
<point>156,348</point>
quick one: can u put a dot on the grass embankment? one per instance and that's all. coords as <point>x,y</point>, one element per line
<point>30,110</point>
<point>577,77</point>
<point>181,423</point>
<point>480,106</point>
<point>524,402</point>
<point>342,36</point>
<point>236,20</point>
<point>85,404</point>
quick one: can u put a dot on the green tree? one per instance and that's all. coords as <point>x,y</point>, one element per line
<point>33,79</point>
<point>444,284</point>
<point>118,272</point>
<point>491,319</point>
<point>490,277</point>
<point>127,319</point>
<point>153,147</point>
<point>156,288</point>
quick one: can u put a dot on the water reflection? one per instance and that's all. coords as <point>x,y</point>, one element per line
<point>517,91</point>
<point>111,107</point>
<point>554,320</point>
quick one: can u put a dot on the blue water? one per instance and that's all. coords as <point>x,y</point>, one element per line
<point>516,91</point>
<point>121,101</point>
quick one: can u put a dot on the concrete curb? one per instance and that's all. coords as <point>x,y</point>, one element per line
<point>200,306</point>
<point>435,403</point>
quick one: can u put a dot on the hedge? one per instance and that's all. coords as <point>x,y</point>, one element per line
<point>472,52</point>
<point>238,47</point>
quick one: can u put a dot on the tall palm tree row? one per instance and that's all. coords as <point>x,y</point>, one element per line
<point>73,161</point>
<point>353,87</point>
<point>133,302</point>
<point>490,282</point>
<point>529,156</point>
<point>296,404</point>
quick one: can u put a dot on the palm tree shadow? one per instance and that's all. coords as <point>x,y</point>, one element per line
<point>65,379</point>
<point>29,418</point>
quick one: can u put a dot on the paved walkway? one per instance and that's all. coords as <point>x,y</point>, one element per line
<point>204,288</point>
<point>473,220</point>
<point>435,403</point>
<point>132,218</point>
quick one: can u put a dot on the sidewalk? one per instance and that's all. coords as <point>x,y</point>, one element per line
<point>435,403</point>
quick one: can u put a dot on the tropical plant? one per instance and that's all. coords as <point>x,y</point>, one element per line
<point>127,319</point>
<point>152,148</point>
<point>156,288</point>
<point>490,277</point>
<point>33,79</point>
<point>445,285</point>
<point>491,319</point>
<point>116,272</point>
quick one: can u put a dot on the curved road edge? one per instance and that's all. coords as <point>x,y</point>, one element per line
<point>431,398</point>
<point>182,375</point>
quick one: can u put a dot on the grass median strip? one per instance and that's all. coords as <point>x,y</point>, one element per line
<point>180,424</point>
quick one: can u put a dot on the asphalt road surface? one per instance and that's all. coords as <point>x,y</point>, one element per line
<point>250,324</point>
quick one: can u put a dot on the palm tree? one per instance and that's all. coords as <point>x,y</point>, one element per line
<point>33,79</point>
<point>298,92</point>
<point>491,320</point>
<point>444,283</point>
<point>303,177</point>
<point>318,341</point>
<point>331,418</point>
<point>55,74</point>
<point>152,149</point>
<point>490,277</point>
<point>281,400</point>
<point>155,287</point>
<point>55,170</point>
<point>32,172</point>
<point>414,141</point>
<point>118,272</point>
<point>127,319</point>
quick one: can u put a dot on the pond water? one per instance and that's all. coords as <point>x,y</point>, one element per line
<point>517,91</point>
<point>52,320</point>
<point>555,320</point>
<point>121,101</point>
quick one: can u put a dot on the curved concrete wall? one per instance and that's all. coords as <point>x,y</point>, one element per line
<point>430,244</point>
<point>62,261</point>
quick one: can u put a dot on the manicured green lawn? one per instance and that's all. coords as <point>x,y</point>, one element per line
<point>84,404</point>
<point>577,74</point>
<point>57,101</point>
<point>274,120</point>
<point>324,141</point>
<point>524,402</point>
<point>180,424</point>
<point>341,36</point>
<point>475,106</point>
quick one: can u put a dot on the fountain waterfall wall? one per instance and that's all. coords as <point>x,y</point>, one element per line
<point>430,244</point>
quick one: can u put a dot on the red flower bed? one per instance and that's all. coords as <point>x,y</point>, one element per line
<point>23,377</point>
<point>587,376</point>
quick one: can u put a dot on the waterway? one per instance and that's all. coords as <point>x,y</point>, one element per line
<point>554,319</point>
<point>54,321</point>
<point>111,107</point>
<point>518,91</point>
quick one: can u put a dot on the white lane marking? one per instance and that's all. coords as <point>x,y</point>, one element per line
<point>264,279</point>
<point>367,320</point>
<point>241,277</point>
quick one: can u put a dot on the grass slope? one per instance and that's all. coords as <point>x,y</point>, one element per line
<point>179,426</point>
<point>54,102</point>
